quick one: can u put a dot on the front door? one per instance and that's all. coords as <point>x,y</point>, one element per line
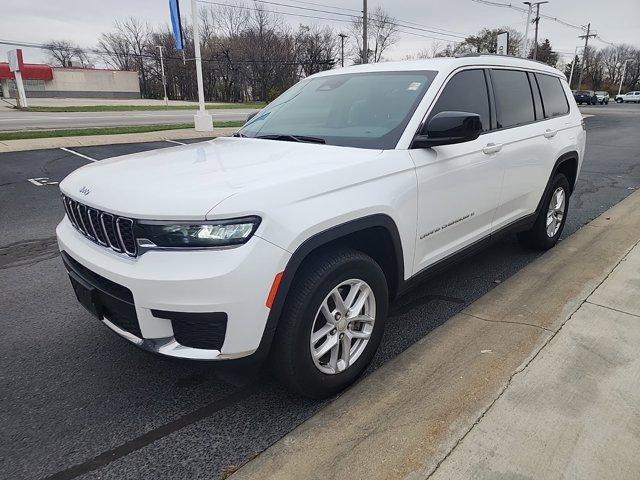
<point>458,185</point>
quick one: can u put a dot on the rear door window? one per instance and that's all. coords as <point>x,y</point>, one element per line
<point>465,92</point>
<point>514,101</point>
<point>553,98</point>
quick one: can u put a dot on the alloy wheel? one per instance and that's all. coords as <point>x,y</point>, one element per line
<point>343,326</point>
<point>555,214</point>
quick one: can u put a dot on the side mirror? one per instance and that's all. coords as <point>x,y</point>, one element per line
<point>447,128</point>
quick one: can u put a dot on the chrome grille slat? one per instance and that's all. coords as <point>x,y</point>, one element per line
<point>102,228</point>
<point>124,227</point>
<point>81,225</point>
<point>107,221</point>
<point>84,216</point>
<point>96,229</point>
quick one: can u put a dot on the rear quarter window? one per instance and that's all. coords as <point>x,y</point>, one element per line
<point>554,101</point>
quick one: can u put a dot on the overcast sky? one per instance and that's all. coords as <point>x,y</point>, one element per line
<point>82,22</point>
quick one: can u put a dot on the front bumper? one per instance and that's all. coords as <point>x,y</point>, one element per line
<point>171,292</point>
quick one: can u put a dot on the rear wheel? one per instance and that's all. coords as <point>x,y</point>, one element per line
<point>552,217</point>
<point>332,323</point>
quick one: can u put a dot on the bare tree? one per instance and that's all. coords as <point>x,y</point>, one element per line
<point>382,31</point>
<point>316,49</point>
<point>116,51</point>
<point>129,47</point>
<point>64,53</point>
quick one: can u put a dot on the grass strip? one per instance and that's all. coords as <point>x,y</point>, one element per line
<point>133,108</point>
<point>75,132</point>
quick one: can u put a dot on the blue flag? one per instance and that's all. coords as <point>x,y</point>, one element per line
<point>176,24</point>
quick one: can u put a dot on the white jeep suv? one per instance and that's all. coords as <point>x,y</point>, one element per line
<point>289,239</point>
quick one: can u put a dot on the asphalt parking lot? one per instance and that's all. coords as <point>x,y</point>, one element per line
<point>79,402</point>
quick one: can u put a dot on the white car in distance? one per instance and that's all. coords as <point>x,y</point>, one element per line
<point>287,241</point>
<point>633,97</point>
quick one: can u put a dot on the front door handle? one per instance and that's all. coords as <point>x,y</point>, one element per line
<point>490,148</point>
<point>550,133</point>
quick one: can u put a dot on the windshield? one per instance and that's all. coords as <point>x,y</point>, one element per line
<point>366,110</point>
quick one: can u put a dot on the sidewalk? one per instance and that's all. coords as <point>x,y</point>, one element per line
<point>538,379</point>
<point>90,140</point>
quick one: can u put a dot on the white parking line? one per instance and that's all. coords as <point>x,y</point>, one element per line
<point>78,154</point>
<point>40,181</point>
<point>174,141</point>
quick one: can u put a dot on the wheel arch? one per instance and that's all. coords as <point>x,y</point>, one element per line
<point>373,235</point>
<point>567,164</point>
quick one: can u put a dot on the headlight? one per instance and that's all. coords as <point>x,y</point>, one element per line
<point>220,233</point>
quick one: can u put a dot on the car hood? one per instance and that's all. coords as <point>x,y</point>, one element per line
<point>188,181</point>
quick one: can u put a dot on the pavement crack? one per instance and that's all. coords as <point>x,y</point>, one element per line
<point>507,321</point>
<point>612,308</point>
<point>523,367</point>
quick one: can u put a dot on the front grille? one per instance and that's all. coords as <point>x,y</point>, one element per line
<point>102,228</point>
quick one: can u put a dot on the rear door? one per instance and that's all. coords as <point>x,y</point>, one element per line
<point>458,185</point>
<point>527,140</point>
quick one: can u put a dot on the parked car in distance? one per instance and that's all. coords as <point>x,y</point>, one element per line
<point>628,97</point>
<point>603,97</point>
<point>287,241</point>
<point>585,96</point>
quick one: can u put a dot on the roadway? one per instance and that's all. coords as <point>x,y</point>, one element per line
<point>11,119</point>
<point>79,402</point>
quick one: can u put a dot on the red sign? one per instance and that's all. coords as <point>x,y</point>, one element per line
<point>15,60</point>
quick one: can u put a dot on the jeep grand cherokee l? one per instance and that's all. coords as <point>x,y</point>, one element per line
<point>287,241</point>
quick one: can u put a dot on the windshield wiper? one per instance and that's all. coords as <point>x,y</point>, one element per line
<point>292,138</point>
<point>238,134</point>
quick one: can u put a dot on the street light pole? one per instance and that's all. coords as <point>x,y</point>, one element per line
<point>164,78</point>
<point>624,71</point>
<point>573,64</point>
<point>342,37</point>
<point>202,119</point>
<point>526,30</point>
<point>365,46</point>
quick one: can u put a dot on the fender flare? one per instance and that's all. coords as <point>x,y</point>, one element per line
<point>569,156</point>
<point>313,243</point>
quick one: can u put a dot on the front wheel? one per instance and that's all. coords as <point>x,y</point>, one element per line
<point>332,323</point>
<point>552,217</point>
<point>619,100</point>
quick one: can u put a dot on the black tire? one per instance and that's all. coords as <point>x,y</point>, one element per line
<point>619,100</point>
<point>537,238</point>
<point>291,358</point>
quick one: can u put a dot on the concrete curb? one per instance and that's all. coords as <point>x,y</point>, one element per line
<point>404,419</point>
<point>91,140</point>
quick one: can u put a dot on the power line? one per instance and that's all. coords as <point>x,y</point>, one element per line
<point>352,17</point>
<point>359,12</point>
<point>241,7</point>
<point>582,28</point>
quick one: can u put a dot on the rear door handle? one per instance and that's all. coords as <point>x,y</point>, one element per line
<point>490,148</point>
<point>550,133</point>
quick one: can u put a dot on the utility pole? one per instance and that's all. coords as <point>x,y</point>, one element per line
<point>164,78</point>
<point>526,31</point>
<point>584,53</point>
<point>202,119</point>
<point>537,22</point>
<point>365,46</point>
<point>342,37</point>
